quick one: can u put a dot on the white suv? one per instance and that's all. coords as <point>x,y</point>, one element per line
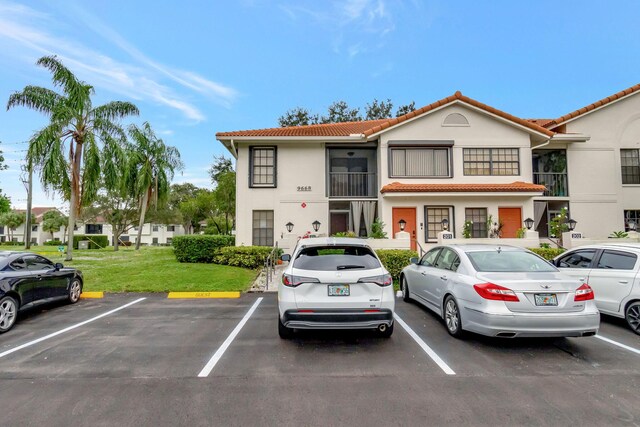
<point>613,272</point>
<point>335,283</point>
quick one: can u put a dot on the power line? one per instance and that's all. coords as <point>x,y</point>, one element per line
<point>13,143</point>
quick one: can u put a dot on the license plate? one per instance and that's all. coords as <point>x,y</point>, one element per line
<point>338,290</point>
<point>546,299</point>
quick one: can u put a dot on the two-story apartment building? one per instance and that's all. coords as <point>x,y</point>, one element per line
<point>457,160</point>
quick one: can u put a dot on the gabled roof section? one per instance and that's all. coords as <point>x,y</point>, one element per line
<point>518,186</point>
<point>371,127</point>
<point>591,107</point>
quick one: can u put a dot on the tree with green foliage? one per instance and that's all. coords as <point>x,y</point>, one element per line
<point>53,221</point>
<point>379,110</point>
<point>406,109</point>
<point>3,164</point>
<point>67,151</point>
<point>223,177</point>
<point>298,117</point>
<point>151,166</point>
<point>339,112</point>
<point>5,203</point>
<point>117,209</point>
<point>12,220</point>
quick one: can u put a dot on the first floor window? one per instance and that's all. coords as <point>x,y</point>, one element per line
<point>262,167</point>
<point>491,161</point>
<point>262,228</point>
<point>434,216</point>
<point>630,164</point>
<point>632,215</point>
<point>169,240</point>
<point>154,241</point>
<point>478,218</point>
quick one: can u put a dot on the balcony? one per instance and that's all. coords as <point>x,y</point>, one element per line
<point>352,184</point>
<point>556,183</point>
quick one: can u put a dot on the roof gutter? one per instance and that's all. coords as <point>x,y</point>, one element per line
<point>352,137</point>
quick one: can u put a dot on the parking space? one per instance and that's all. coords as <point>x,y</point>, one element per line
<point>141,363</point>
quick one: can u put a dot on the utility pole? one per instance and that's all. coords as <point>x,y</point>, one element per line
<point>27,226</point>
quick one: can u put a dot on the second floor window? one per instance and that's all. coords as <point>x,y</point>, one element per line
<point>171,228</point>
<point>491,161</point>
<point>630,162</point>
<point>262,167</point>
<point>419,162</point>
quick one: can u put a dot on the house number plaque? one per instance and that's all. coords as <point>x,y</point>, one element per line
<point>304,188</point>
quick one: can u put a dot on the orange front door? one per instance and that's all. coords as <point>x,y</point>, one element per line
<point>511,219</point>
<point>409,216</point>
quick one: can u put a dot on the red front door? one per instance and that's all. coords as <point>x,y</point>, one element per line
<point>409,216</point>
<point>511,219</point>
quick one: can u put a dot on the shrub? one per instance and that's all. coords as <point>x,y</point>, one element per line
<point>96,241</point>
<point>53,243</point>
<point>394,260</point>
<point>521,232</point>
<point>377,230</point>
<point>547,253</point>
<point>344,234</point>
<point>243,256</point>
<point>13,243</point>
<point>199,247</point>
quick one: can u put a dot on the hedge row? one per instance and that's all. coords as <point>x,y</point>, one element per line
<point>547,253</point>
<point>243,256</point>
<point>199,247</point>
<point>96,241</point>
<point>53,243</point>
<point>394,260</point>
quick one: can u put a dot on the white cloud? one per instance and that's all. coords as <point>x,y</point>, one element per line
<point>22,30</point>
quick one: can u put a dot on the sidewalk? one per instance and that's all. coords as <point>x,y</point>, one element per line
<point>260,283</point>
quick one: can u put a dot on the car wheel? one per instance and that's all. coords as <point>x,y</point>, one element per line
<point>8,313</point>
<point>405,290</point>
<point>75,289</point>
<point>387,332</point>
<point>633,316</point>
<point>284,332</point>
<point>452,317</point>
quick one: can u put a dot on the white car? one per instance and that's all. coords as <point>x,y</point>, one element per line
<point>501,291</point>
<point>335,283</point>
<point>613,271</point>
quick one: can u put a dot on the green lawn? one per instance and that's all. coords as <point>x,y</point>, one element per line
<point>152,269</point>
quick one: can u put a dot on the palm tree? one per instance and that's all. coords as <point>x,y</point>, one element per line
<point>75,127</point>
<point>151,166</point>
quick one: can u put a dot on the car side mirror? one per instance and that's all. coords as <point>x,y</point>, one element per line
<point>58,266</point>
<point>414,260</point>
<point>285,257</point>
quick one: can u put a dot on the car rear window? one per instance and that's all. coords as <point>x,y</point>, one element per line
<point>508,261</point>
<point>333,258</point>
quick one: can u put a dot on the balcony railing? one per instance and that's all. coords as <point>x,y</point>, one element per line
<point>352,184</point>
<point>556,183</point>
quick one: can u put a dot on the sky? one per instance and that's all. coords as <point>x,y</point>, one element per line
<point>195,68</point>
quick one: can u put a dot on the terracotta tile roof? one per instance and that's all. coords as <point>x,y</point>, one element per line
<point>604,101</point>
<point>370,127</point>
<point>518,186</point>
<point>37,211</point>
<point>539,122</point>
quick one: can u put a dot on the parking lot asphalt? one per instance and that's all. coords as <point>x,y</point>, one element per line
<point>134,360</point>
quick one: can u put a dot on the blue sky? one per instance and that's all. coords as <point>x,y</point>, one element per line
<point>195,68</point>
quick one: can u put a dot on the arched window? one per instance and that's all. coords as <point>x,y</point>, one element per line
<point>455,119</point>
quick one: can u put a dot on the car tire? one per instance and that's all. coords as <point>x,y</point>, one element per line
<point>406,297</point>
<point>387,332</point>
<point>8,313</point>
<point>452,319</point>
<point>75,289</point>
<point>632,315</point>
<point>284,332</point>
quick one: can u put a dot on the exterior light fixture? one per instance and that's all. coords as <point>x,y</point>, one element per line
<point>528,223</point>
<point>402,223</point>
<point>289,226</point>
<point>316,225</point>
<point>572,224</point>
<point>445,224</point>
<point>632,226</point>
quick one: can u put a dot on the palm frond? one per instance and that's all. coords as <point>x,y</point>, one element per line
<point>115,110</point>
<point>36,98</point>
<point>62,77</point>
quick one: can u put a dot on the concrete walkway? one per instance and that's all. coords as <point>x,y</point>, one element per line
<point>260,284</point>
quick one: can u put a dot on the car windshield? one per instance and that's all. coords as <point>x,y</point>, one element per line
<point>508,261</point>
<point>332,258</point>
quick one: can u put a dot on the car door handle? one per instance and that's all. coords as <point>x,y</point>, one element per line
<point>443,277</point>
<point>581,279</point>
<point>623,281</point>
<point>423,273</point>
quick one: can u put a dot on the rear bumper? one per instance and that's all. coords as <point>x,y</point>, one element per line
<point>531,325</point>
<point>337,319</point>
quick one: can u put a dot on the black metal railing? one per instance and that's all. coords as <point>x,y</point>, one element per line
<point>352,184</point>
<point>270,265</point>
<point>556,183</point>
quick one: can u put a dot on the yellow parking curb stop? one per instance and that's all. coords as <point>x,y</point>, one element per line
<point>178,295</point>
<point>92,295</point>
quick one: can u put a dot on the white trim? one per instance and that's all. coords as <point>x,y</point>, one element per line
<point>462,194</point>
<point>347,139</point>
<point>594,110</point>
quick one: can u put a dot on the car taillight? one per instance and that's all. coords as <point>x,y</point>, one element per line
<point>293,281</point>
<point>495,292</point>
<point>382,280</point>
<point>584,293</point>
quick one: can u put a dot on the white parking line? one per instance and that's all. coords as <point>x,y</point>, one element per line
<point>77,325</point>
<point>610,341</point>
<point>218,354</point>
<point>432,354</point>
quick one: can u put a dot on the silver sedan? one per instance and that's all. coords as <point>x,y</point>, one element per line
<point>500,291</point>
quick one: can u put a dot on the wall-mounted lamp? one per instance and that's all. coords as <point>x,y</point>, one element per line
<point>316,225</point>
<point>402,223</point>
<point>289,227</point>
<point>572,224</point>
<point>632,226</point>
<point>445,224</point>
<point>528,223</point>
